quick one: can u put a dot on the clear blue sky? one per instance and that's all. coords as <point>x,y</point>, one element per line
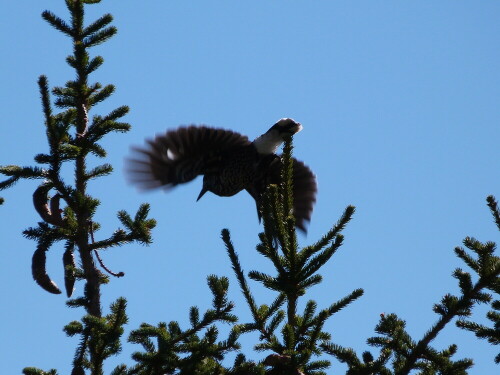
<point>400,107</point>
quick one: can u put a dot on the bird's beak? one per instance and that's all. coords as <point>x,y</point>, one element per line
<point>293,129</point>
<point>203,191</point>
<point>296,128</point>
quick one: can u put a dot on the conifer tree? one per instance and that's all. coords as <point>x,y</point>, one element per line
<point>68,215</point>
<point>294,340</point>
<point>405,353</point>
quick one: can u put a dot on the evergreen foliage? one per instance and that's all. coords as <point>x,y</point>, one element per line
<point>72,136</point>
<point>294,339</point>
<point>184,351</point>
<point>487,266</point>
<point>407,354</point>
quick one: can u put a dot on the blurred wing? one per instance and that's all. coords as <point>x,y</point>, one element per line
<point>304,190</point>
<point>304,193</point>
<point>180,155</point>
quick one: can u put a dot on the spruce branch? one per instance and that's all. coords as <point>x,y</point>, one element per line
<point>71,137</point>
<point>94,64</point>
<point>186,351</point>
<point>267,249</point>
<point>302,336</point>
<point>286,187</point>
<point>57,23</point>
<point>495,211</point>
<point>9,182</point>
<point>259,314</point>
<point>308,251</point>
<point>491,334</point>
<point>487,266</point>
<point>316,262</point>
<point>337,306</point>
<point>36,371</point>
<point>15,173</point>
<point>97,25</point>
<point>101,95</point>
<point>99,171</point>
<point>239,273</point>
<point>409,354</point>
<point>99,337</point>
<point>44,93</point>
<point>274,218</point>
<point>98,37</point>
<point>120,370</point>
<point>115,274</point>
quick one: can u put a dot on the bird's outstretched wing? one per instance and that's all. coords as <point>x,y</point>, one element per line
<point>304,193</point>
<point>304,190</point>
<point>179,155</point>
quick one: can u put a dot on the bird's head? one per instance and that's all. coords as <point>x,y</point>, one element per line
<point>269,142</point>
<point>286,127</point>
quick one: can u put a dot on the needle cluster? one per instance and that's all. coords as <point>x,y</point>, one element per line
<point>66,210</point>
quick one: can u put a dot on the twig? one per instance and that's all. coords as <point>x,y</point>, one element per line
<point>119,274</point>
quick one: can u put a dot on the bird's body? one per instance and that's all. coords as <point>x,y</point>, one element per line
<point>232,171</point>
<point>228,161</point>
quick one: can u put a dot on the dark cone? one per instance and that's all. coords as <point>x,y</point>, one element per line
<point>40,274</point>
<point>69,271</point>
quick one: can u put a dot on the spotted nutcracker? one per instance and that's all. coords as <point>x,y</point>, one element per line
<point>228,161</point>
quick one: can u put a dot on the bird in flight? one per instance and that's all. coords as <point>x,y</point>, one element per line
<point>228,161</point>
